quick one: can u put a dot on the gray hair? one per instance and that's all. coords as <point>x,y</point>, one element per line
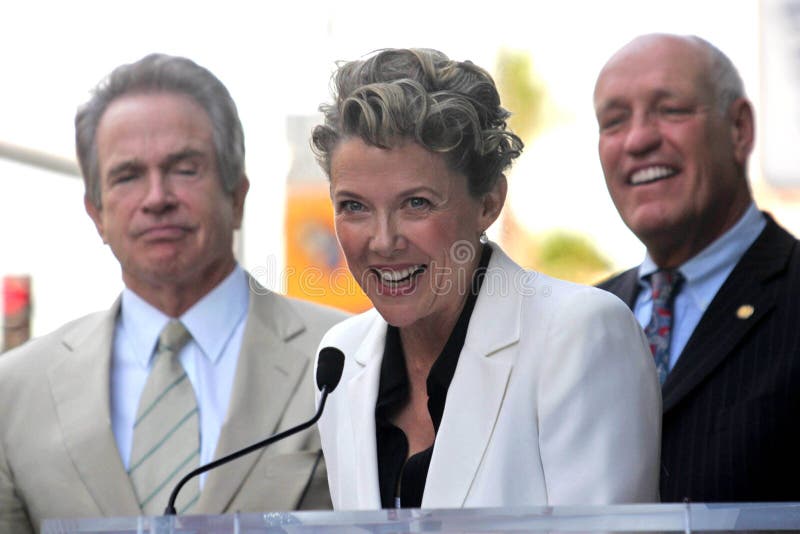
<point>162,73</point>
<point>446,106</point>
<point>726,82</point>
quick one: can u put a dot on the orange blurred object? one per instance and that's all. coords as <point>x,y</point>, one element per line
<point>315,266</point>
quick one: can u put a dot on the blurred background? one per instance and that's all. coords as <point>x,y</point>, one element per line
<point>276,59</point>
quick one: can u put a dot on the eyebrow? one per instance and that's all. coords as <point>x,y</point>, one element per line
<point>345,193</point>
<point>655,96</point>
<point>405,193</point>
<point>614,103</point>
<point>125,166</point>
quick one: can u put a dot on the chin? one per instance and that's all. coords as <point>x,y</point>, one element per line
<point>651,222</point>
<point>396,317</point>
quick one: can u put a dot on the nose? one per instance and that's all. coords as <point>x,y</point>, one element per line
<point>643,135</point>
<point>386,239</point>
<point>159,196</point>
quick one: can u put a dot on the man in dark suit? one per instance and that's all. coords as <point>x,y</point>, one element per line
<point>719,289</point>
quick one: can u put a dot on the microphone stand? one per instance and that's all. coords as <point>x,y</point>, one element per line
<point>170,509</point>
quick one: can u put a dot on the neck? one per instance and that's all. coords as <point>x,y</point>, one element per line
<point>423,343</point>
<point>673,248</point>
<point>175,297</point>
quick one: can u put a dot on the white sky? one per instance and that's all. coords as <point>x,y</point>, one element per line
<point>276,60</point>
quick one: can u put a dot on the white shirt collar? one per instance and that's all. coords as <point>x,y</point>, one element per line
<point>720,254</point>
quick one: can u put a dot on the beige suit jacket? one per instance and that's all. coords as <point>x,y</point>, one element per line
<point>58,456</point>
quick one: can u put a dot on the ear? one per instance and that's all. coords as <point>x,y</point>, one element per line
<point>742,129</point>
<point>96,215</point>
<point>492,203</point>
<point>239,194</point>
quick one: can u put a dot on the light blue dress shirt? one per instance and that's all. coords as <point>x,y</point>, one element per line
<point>703,275</point>
<point>216,323</point>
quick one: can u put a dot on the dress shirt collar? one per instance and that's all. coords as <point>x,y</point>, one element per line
<point>212,320</point>
<point>719,255</point>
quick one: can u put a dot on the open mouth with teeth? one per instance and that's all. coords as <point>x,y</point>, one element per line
<point>652,174</point>
<point>394,278</point>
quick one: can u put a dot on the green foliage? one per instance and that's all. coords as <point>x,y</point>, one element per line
<point>571,256</point>
<point>521,92</point>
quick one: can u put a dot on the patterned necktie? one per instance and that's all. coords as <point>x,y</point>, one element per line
<point>166,437</point>
<point>666,285</point>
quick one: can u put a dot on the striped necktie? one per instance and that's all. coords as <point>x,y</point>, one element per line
<point>666,285</point>
<point>166,437</point>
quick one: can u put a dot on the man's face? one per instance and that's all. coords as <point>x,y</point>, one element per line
<point>164,212</point>
<point>666,149</point>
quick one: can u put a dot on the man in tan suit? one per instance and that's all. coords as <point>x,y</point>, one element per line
<point>161,149</point>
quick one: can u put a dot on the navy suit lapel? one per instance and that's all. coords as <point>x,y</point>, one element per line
<point>625,286</point>
<point>723,326</point>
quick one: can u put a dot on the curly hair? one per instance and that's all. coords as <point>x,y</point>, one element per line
<point>446,106</point>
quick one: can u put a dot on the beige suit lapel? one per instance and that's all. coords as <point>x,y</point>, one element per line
<point>80,381</point>
<point>267,375</point>
<point>476,393</point>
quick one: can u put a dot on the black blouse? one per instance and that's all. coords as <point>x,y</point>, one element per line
<point>398,478</point>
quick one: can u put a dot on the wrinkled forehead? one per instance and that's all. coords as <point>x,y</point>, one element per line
<point>657,61</point>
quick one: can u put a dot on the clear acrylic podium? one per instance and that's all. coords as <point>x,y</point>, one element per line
<point>695,517</point>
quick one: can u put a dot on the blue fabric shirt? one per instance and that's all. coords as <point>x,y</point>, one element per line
<point>703,275</point>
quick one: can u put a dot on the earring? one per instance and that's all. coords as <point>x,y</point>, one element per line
<point>483,238</point>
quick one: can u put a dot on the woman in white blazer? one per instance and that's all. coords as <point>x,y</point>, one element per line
<point>472,382</point>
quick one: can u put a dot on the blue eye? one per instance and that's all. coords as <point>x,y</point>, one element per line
<point>351,206</point>
<point>418,202</point>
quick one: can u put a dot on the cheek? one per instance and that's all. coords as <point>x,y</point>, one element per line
<point>615,191</point>
<point>447,242</point>
<point>350,238</point>
<point>608,150</point>
<point>112,217</point>
<point>434,234</point>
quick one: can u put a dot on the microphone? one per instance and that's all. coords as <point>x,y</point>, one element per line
<point>330,363</point>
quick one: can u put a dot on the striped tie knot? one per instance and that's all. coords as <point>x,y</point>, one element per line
<point>173,337</point>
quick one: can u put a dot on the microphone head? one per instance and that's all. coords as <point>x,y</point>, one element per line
<point>329,368</point>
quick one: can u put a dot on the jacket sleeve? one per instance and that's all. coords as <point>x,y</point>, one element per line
<point>13,516</point>
<point>599,405</point>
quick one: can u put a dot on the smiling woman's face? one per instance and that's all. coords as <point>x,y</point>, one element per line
<point>409,228</point>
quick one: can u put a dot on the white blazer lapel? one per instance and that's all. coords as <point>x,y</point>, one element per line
<point>478,387</point>
<point>362,393</point>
